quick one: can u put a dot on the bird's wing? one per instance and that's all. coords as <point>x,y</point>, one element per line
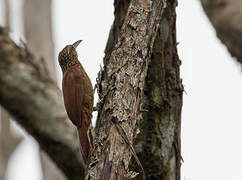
<point>73,90</point>
<point>75,95</point>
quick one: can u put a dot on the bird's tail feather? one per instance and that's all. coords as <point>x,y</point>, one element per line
<point>85,147</point>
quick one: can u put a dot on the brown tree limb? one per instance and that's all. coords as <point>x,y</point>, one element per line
<point>158,144</point>
<point>122,87</point>
<point>226,17</point>
<point>158,150</point>
<point>34,100</point>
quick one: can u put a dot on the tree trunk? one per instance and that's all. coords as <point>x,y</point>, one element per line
<point>158,146</point>
<point>226,17</point>
<point>140,90</point>
<point>38,32</point>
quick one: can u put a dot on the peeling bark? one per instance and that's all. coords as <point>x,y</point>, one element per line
<point>158,144</point>
<point>121,92</point>
<point>226,17</point>
<point>34,100</point>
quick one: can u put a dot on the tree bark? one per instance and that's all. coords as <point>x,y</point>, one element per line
<point>38,33</point>
<point>34,100</point>
<point>162,97</point>
<point>125,86</point>
<point>158,146</point>
<point>226,17</point>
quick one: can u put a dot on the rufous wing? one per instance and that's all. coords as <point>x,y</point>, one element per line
<point>74,99</point>
<point>73,92</point>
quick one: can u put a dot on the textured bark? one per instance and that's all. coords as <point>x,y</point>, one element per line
<point>158,144</point>
<point>120,10</point>
<point>226,17</point>
<point>123,80</point>
<point>8,140</point>
<point>38,33</point>
<point>34,100</point>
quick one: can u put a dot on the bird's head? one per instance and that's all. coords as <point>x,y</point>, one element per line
<point>68,56</point>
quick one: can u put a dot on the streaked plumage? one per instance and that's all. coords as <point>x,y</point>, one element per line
<point>78,95</point>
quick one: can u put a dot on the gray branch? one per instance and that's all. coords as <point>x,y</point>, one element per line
<point>226,17</point>
<point>34,100</point>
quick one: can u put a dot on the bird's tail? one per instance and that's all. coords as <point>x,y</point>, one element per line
<point>85,146</point>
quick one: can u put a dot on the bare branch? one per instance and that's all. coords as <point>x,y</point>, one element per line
<point>226,16</point>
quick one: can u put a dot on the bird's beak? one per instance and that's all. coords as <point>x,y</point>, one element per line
<point>76,43</point>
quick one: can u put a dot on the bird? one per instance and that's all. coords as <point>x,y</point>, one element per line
<point>78,96</point>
